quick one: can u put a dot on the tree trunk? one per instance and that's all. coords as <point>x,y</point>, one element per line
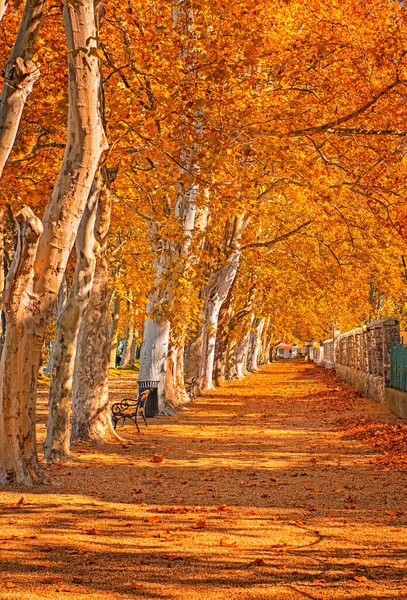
<point>174,259</point>
<point>193,351</point>
<point>242,347</point>
<point>265,343</point>
<point>114,330</point>
<point>62,298</point>
<point>218,287</point>
<point>18,456</point>
<point>2,274</point>
<point>176,395</point>
<point>57,446</point>
<point>183,397</point>
<point>2,269</point>
<point>3,8</point>
<point>133,347</point>
<point>255,344</point>
<point>36,273</point>
<point>128,343</point>
<point>91,418</point>
<point>171,396</point>
<point>221,345</point>
<point>154,352</point>
<point>20,74</point>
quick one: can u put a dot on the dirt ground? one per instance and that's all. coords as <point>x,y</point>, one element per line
<point>286,485</point>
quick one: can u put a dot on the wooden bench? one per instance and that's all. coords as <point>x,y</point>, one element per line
<point>129,408</point>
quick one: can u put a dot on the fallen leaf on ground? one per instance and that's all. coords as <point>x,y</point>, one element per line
<point>157,458</point>
<point>199,524</point>
<point>258,562</point>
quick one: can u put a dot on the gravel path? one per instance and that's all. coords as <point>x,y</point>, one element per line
<point>259,490</point>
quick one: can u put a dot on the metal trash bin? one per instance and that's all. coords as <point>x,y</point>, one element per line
<point>151,407</point>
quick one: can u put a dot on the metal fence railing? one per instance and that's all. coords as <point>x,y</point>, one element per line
<point>398,371</point>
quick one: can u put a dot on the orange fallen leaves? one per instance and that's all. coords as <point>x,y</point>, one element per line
<point>154,520</point>
<point>258,562</point>
<point>226,544</point>
<point>199,524</point>
<point>157,458</point>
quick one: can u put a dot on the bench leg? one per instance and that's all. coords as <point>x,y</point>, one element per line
<point>135,421</point>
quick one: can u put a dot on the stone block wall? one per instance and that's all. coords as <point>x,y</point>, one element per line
<point>362,356</point>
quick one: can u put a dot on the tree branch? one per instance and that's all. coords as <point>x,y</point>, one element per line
<point>279,238</point>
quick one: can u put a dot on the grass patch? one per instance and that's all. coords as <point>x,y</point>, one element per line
<point>44,380</point>
<point>123,371</point>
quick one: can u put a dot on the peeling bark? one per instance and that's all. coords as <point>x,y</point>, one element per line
<point>2,266</point>
<point>218,289</point>
<point>38,267</point>
<point>220,360</point>
<point>219,286</point>
<point>156,336</point>
<point>241,352</point>
<point>57,443</point>
<point>255,344</point>
<point>20,74</point>
<point>3,8</point>
<point>23,344</point>
<point>91,418</point>
<point>62,298</point>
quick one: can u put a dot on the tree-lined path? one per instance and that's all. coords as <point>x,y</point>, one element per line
<point>259,490</point>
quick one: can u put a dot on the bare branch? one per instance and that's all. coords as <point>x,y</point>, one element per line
<point>279,238</point>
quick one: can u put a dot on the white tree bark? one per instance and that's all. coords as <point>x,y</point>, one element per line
<point>38,267</point>
<point>255,344</point>
<point>241,352</point>
<point>2,273</point>
<point>154,352</point>
<point>57,443</point>
<point>3,8</point>
<point>20,74</point>
<point>156,336</point>
<point>91,418</point>
<point>62,298</point>
<point>128,343</point>
<point>218,288</point>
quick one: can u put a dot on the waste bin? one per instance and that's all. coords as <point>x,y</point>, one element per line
<point>151,407</point>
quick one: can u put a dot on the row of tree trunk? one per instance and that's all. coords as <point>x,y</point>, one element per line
<point>85,342</point>
<point>33,281</point>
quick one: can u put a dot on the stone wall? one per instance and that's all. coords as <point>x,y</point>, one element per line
<point>361,357</point>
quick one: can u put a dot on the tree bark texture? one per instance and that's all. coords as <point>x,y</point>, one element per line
<point>57,443</point>
<point>2,269</point>
<point>241,351</point>
<point>173,259</point>
<point>60,304</point>
<point>38,267</point>
<point>218,289</point>
<point>133,347</point>
<point>255,344</point>
<point>220,364</point>
<point>20,74</point>
<point>128,343</point>
<point>91,418</point>
<point>114,329</point>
